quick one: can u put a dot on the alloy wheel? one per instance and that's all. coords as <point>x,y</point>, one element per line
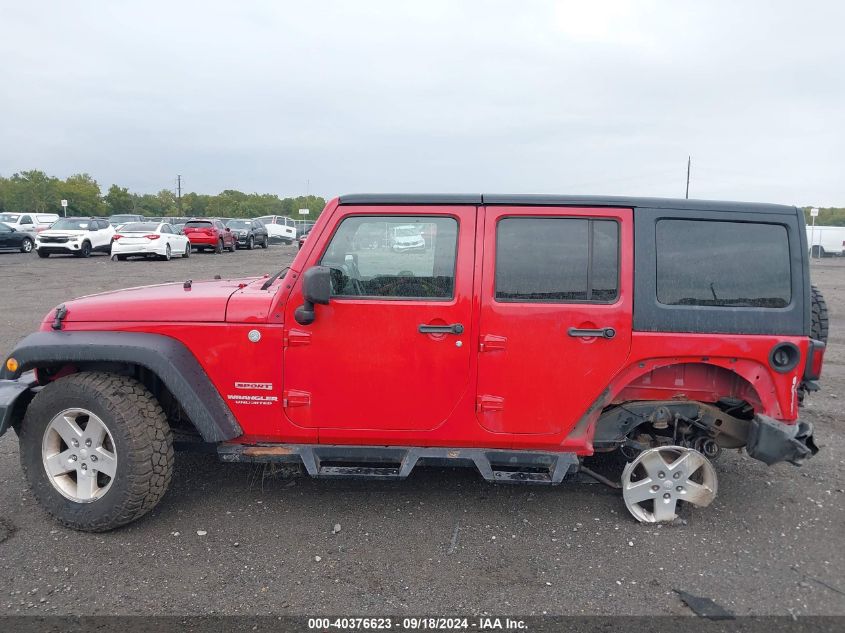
<point>79,455</point>
<point>654,483</point>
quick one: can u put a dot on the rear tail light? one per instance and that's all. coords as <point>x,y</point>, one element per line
<point>152,237</point>
<point>116,237</point>
<point>815,360</point>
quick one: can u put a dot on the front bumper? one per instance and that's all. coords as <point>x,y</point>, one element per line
<point>14,398</point>
<point>58,249</point>
<point>771,441</point>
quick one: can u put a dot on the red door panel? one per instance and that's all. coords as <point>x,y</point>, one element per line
<point>545,357</point>
<point>364,364</point>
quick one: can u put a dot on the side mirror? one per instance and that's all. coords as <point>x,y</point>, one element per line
<point>316,288</point>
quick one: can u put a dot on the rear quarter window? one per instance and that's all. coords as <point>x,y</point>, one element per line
<point>726,264</point>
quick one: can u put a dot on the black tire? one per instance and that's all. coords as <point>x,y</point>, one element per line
<point>26,245</point>
<point>818,251</point>
<point>167,254</point>
<point>42,254</point>
<point>265,243</point>
<point>84,250</point>
<point>820,322</point>
<point>250,243</point>
<point>219,248</point>
<point>187,252</point>
<point>121,258</point>
<point>142,444</point>
<point>234,245</point>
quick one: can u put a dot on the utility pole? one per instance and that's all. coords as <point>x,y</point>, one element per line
<point>179,192</point>
<point>689,162</point>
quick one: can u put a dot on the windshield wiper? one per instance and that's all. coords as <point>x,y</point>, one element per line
<point>270,280</point>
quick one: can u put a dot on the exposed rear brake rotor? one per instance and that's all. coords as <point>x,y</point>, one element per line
<point>659,477</point>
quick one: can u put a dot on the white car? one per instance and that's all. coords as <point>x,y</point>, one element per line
<point>279,228</point>
<point>29,222</point>
<point>75,236</point>
<point>407,238</point>
<point>826,241</point>
<point>149,238</point>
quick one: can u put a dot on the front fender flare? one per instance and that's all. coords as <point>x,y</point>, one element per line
<point>166,357</point>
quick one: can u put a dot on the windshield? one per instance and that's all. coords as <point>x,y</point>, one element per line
<point>9,217</point>
<point>72,224</point>
<point>140,227</point>
<point>239,224</point>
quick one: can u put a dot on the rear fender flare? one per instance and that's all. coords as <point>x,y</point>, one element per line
<point>761,391</point>
<point>169,359</point>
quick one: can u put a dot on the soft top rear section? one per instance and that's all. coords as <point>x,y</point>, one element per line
<point>749,265</point>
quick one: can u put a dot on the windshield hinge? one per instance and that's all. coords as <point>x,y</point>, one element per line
<point>61,313</point>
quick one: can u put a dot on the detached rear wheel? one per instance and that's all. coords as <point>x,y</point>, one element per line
<point>96,450</point>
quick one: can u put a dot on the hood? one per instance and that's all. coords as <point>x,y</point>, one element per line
<point>63,232</point>
<point>203,301</point>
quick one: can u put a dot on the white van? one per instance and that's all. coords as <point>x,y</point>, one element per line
<point>279,228</point>
<point>29,222</point>
<point>826,241</point>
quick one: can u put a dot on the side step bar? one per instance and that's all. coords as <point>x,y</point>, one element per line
<point>387,462</point>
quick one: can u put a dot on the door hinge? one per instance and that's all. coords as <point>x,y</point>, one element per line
<point>293,338</point>
<point>296,398</point>
<point>492,343</point>
<point>489,403</point>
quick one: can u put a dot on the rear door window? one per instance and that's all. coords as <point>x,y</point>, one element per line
<point>557,260</point>
<point>728,264</point>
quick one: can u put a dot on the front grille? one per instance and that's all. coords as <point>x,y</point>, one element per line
<point>49,239</point>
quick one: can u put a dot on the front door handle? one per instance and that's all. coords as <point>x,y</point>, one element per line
<point>602,332</point>
<point>455,328</point>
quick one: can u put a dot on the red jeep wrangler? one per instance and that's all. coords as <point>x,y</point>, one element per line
<point>520,335</point>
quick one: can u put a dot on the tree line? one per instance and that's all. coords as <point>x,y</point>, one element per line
<point>35,191</point>
<point>831,216</point>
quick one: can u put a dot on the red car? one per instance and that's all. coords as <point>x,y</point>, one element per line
<point>210,234</point>
<point>531,333</point>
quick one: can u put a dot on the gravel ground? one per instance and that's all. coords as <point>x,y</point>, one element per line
<point>236,539</point>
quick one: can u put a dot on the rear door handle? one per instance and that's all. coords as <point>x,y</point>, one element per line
<point>455,328</point>
<point>603,332</point>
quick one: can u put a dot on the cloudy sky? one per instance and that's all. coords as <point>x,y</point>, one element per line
<point>498,96</point>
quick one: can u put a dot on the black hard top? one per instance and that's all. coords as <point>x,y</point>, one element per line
<point>558,200</point>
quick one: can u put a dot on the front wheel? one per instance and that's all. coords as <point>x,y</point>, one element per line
<point>84,250</point>
<point>187,252</point>
<point>219,248</point>
<point>250,243</point>
<point>26,245</point>
<point>167,253</point>
<point>96,450</point>
<point>265,243</point>
<point>42,254</point>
